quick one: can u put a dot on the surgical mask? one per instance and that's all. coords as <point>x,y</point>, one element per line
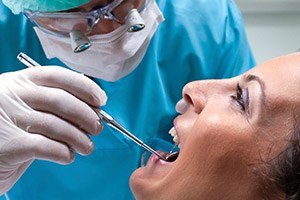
<point>111,56</point>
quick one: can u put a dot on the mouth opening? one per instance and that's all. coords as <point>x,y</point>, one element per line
<point>171,157</point>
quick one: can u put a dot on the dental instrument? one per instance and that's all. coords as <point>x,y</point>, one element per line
<point>29,62</point>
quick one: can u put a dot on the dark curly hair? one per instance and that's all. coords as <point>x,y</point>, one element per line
<point>285,171</point>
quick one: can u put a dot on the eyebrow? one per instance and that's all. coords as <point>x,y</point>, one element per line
<point>251,77</point>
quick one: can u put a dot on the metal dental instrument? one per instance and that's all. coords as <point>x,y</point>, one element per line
<point>26,60</point>
<point>113,123</point>
<point>29,62</point>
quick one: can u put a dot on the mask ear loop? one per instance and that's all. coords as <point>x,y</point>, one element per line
<point>6,196</point>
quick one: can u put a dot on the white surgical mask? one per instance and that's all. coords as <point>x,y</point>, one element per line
<point>111,56</point>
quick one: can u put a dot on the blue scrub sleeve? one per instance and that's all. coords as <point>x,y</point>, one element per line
<point>236,51</point>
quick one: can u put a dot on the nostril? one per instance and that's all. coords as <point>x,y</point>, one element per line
<point>194,95</point>
<point>188,99</point>
<point>195,99</point>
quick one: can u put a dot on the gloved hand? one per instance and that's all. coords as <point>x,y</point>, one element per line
<point>44,114</point>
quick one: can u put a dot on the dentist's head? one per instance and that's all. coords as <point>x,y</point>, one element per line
<point>105,39</point>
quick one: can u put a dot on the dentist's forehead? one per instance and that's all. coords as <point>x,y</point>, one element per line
<point>90,5</point>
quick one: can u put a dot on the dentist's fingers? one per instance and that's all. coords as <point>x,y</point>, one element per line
<point>64,105</point>
<point>44,148</point>
<point>72,82</point>
<point>57,129</point>
<point>35,146</point>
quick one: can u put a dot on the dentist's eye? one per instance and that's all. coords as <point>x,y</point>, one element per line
<point>241,97</point>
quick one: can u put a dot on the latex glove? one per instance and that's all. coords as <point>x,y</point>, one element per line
<point>44,114</point>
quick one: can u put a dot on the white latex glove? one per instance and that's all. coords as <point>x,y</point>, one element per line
<point>44,114</point>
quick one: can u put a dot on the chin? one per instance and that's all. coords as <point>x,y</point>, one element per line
<point>148,182</point>
<point>157,178</point>
<point>137,184</point>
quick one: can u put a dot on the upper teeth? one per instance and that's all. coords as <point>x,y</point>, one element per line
<point>174,134</point>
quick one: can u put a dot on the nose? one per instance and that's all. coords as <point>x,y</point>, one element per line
<point>198,93</point>
<point>193,95</point>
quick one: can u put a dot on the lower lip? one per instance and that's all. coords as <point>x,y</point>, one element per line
<point>155,160</point>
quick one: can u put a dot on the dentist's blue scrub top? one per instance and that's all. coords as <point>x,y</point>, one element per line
<point>200,39</point>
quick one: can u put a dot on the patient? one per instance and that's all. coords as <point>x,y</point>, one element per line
<point>239,139</point>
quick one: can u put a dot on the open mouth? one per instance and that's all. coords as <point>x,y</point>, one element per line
<point>171,157</point>
<point>168,151</point>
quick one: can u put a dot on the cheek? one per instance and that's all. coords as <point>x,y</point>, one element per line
<point>216,139</point>
<point>218,120</point>
<point>221,117</point>
<point>185,124</point>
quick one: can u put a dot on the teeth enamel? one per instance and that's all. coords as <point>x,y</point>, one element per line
<point>176,140</point>
<point>172,131</point>
<point>174,135</point>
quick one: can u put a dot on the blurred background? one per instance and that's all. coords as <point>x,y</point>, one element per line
<point>273,26</point>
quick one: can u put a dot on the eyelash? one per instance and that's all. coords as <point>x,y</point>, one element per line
<point>239,97</point>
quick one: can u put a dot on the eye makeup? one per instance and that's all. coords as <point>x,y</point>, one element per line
<point>241,98</point>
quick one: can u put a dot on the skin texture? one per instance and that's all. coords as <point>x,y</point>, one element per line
<point>224,148</point>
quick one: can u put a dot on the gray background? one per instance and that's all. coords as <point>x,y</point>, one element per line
<point>273,26</point>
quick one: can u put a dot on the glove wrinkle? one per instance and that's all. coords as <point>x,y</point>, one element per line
<point>45,114</point>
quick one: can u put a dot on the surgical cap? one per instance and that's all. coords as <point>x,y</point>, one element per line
<point>18,6</point>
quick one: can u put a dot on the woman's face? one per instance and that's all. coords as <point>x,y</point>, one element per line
<point>229,130</point>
